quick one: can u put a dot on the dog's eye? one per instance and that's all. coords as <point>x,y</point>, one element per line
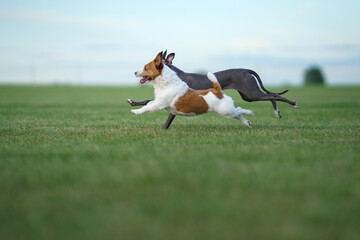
<point>145,68</point>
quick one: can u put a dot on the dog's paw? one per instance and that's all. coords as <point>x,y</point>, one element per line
<point>131,102</point>
<point>277,113</point>
<point>136,112</point>
<point>249,124</point>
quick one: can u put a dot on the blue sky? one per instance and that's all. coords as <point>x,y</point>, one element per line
<point>104,42</point>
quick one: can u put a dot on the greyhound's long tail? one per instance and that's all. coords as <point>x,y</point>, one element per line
<point>214,81</point>
<point>262,86</point>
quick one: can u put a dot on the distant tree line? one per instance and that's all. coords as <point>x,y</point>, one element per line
<point>314,76</point>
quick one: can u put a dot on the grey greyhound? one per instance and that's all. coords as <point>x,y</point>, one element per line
<point>242,80</point>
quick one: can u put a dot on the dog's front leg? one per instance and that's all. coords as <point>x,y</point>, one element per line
<point>152,106</point>
<point>133,103</point>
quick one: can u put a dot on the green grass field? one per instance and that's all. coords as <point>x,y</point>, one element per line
<point>76,164</point>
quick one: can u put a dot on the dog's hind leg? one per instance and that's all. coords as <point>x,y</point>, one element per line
<point>240,110</point>
<point>239,116</point>
<point>243,120</point>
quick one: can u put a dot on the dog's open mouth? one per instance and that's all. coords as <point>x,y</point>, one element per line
<point>144,79</point>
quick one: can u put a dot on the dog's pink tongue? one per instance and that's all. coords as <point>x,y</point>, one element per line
<point>143,80</point>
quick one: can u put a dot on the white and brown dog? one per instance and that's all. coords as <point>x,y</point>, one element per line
<point>173,94</point>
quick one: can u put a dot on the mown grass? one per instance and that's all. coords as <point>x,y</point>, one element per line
<point>76,164</point>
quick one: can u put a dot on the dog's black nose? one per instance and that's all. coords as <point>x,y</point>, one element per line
<point>135,73</point>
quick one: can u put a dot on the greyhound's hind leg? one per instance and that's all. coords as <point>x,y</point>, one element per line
<point>274,97</point>
<point>260,96</point>
<point>276,110</point>
<point>279,98</point>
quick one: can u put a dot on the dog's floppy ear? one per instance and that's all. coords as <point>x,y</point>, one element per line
<point>158,62</point>
<point>169,59</point>
<point>163,57</point>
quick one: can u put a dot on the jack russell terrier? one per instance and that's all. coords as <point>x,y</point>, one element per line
<point>178,98</point>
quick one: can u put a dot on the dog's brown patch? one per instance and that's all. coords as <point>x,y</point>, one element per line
<point>192,102</point>
<point>217,90</point>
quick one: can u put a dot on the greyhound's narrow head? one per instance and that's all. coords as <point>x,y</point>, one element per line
<point>168,59</point>
<point>163,57</point>
<point>151,70</point>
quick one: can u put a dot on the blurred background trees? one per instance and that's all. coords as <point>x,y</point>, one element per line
<point>314,76</point>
